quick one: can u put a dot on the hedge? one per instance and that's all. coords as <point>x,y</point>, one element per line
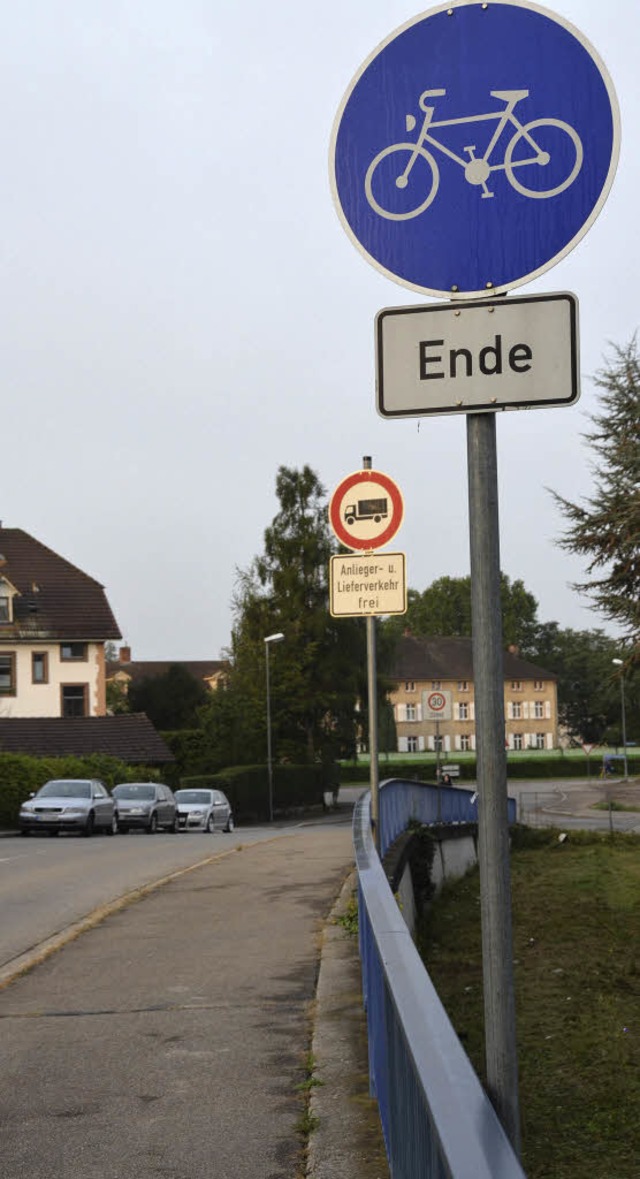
<point>524,767</point>
<point>247,788</point>
<point>21,775</point>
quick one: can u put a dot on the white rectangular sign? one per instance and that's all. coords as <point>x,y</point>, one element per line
<point>367,585</point>
<point>436,704</point>
<point>473,357</point>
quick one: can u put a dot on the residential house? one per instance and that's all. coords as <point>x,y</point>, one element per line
<point>54,623</point>
<point>125,671</point>
<point>440,671</point>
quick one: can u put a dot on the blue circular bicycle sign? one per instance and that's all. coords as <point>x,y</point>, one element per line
<point>475,147</point>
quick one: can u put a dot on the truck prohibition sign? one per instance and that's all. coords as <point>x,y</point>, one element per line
<point>365,510</point>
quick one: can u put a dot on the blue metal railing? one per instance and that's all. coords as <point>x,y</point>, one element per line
<point>436,1119</point>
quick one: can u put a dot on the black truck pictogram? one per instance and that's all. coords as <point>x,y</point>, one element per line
<point>367,509</point>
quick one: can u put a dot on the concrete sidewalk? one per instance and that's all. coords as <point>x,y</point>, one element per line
<point>172,1039</point>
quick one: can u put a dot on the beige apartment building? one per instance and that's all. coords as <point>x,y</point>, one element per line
<point>434,703</point>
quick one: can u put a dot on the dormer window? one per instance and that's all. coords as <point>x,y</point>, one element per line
<point>5,608</point>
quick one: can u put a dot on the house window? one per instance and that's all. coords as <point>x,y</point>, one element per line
<point>438,743</point>
<point>517,740</point>
<point>411,712</point>
<point>436,685</point>
<point>463,713</point>
<point>465,742</point>
<point>8,674</point>
<point>538,709</point>
<point>516,685</point>
<point>73,652</point>
<point>412,744</point>
<point>517,710</point>
<point>539,741</point>
<point>463,685</point>
<point>538,685</point>
<point>5,609</point>
<point>410,686</point>
<point>74,699</point>
<point>39,667</point>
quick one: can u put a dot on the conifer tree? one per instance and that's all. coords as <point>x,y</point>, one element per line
<point>605,528</point>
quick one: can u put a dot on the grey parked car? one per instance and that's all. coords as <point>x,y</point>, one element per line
<point>69,804</point>
<point>146,805</point>
<point>204,810</point>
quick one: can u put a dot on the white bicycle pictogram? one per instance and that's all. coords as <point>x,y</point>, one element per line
<point>477,169</point>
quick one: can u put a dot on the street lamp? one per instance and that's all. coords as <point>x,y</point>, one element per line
<point>620,663</point>
<point>277,638</point>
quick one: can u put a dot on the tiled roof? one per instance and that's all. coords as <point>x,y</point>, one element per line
<point>128,736</point>
<point>57,600</point>
<point>137,669</point>
<point>451,659</point>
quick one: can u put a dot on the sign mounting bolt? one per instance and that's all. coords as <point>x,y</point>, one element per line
<point>455,287</point>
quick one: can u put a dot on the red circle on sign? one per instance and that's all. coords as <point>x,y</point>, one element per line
<point>349,539</point>
<point>436,701</point>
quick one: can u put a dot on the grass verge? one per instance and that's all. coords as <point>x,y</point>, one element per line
<point>576,936</point>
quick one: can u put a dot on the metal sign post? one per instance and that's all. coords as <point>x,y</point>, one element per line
<point>493,826</point>
<point>365,511</point>
<point>468,189</point>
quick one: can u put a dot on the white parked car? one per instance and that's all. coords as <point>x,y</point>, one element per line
<point>204,810</point>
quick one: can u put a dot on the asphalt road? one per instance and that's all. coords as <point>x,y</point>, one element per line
<point>170,1039</point>
<point>47,885</point>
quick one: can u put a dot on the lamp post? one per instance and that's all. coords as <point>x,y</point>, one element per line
<point>620,663</point>
<point>277,638</point>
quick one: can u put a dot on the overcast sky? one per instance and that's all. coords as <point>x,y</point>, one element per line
<point>183,311</point>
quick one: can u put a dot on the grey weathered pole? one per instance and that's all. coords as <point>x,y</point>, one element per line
<point>493,827</point>
<point>372,694</point>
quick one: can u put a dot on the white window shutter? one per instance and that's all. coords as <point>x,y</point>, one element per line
<point>457,741</point>
<point>456,712</point>
<point>547,709</point>
<point>472,710</point>
<point>510,740</point>
<point>447,743</point>
<point>421,743</point>
<point>549,741</point>
<point>509,710</point>
<point>525,709</point>
<point>473,741</point>
<point>432,742</point>
<point>402,712</point>
<point>418,712</point>
<point>403,744</point>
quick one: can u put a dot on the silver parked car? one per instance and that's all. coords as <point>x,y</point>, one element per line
<point>204,810</point>
<point>146,805</point>
<point>70,804</point>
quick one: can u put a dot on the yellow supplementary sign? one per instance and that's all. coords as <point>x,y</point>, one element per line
<point>366,585</point>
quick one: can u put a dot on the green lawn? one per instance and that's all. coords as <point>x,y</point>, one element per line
<point>576,923</point>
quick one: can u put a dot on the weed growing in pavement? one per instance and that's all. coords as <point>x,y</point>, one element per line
<point>349,919</point>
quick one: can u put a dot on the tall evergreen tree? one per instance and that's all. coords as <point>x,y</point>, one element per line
<point>316,672</point>
<point>605,529</point>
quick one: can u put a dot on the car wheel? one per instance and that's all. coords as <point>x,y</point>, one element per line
<point>153,824</point>
<point>89,825</point>
<point>230,825</point>
<point>210,825</point>
<point>112,829</point>
<point>175,826</point>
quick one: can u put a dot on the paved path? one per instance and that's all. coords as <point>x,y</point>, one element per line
<point>169,1040</point>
